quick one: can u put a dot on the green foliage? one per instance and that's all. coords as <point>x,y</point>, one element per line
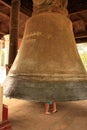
<point>82,49</point>
<point>84,59</point>
<point>2,57</point>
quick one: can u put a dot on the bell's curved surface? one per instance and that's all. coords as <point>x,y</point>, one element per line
<point>47,66</point>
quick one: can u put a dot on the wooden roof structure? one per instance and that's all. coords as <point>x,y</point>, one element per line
<point>77,13</point>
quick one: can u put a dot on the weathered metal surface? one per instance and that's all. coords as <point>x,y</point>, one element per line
<point>48,65</point>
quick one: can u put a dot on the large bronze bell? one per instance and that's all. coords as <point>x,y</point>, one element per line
<point>47,66</point>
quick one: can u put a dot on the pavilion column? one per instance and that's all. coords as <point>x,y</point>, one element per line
<point>14,31</point>
<point>0,57</point>
<point>2,62</point>
<point>6,39</point>
<point>0,52</point>
<point>1,103</point>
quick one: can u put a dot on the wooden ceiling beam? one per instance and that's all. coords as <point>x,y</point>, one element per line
<point>79,15</point>
<point>83,18</point>
<point>81,35</point>
<point>4,3</point>
<point>81,40</point>
<point>23,10</point>
<point>78,12</point>
<point>2,33</point>
<point>77,6</point>
<point>4,15</point>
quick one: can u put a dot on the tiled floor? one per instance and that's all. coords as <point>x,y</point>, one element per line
<point>26,115</point>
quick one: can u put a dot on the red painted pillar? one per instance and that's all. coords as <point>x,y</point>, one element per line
<point>4,122</point>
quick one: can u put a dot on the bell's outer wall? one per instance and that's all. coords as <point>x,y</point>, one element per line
<point>48,66</point>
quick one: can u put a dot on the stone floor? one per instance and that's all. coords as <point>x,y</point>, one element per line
<point>26,115</point>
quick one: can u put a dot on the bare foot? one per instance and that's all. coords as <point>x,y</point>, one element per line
<point>54,111</point>
<point>47,113</point>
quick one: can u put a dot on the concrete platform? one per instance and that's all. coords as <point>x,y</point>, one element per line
<point>25,115</point>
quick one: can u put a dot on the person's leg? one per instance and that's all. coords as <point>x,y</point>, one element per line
<point>47,106</point>
<point>54,106</point>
